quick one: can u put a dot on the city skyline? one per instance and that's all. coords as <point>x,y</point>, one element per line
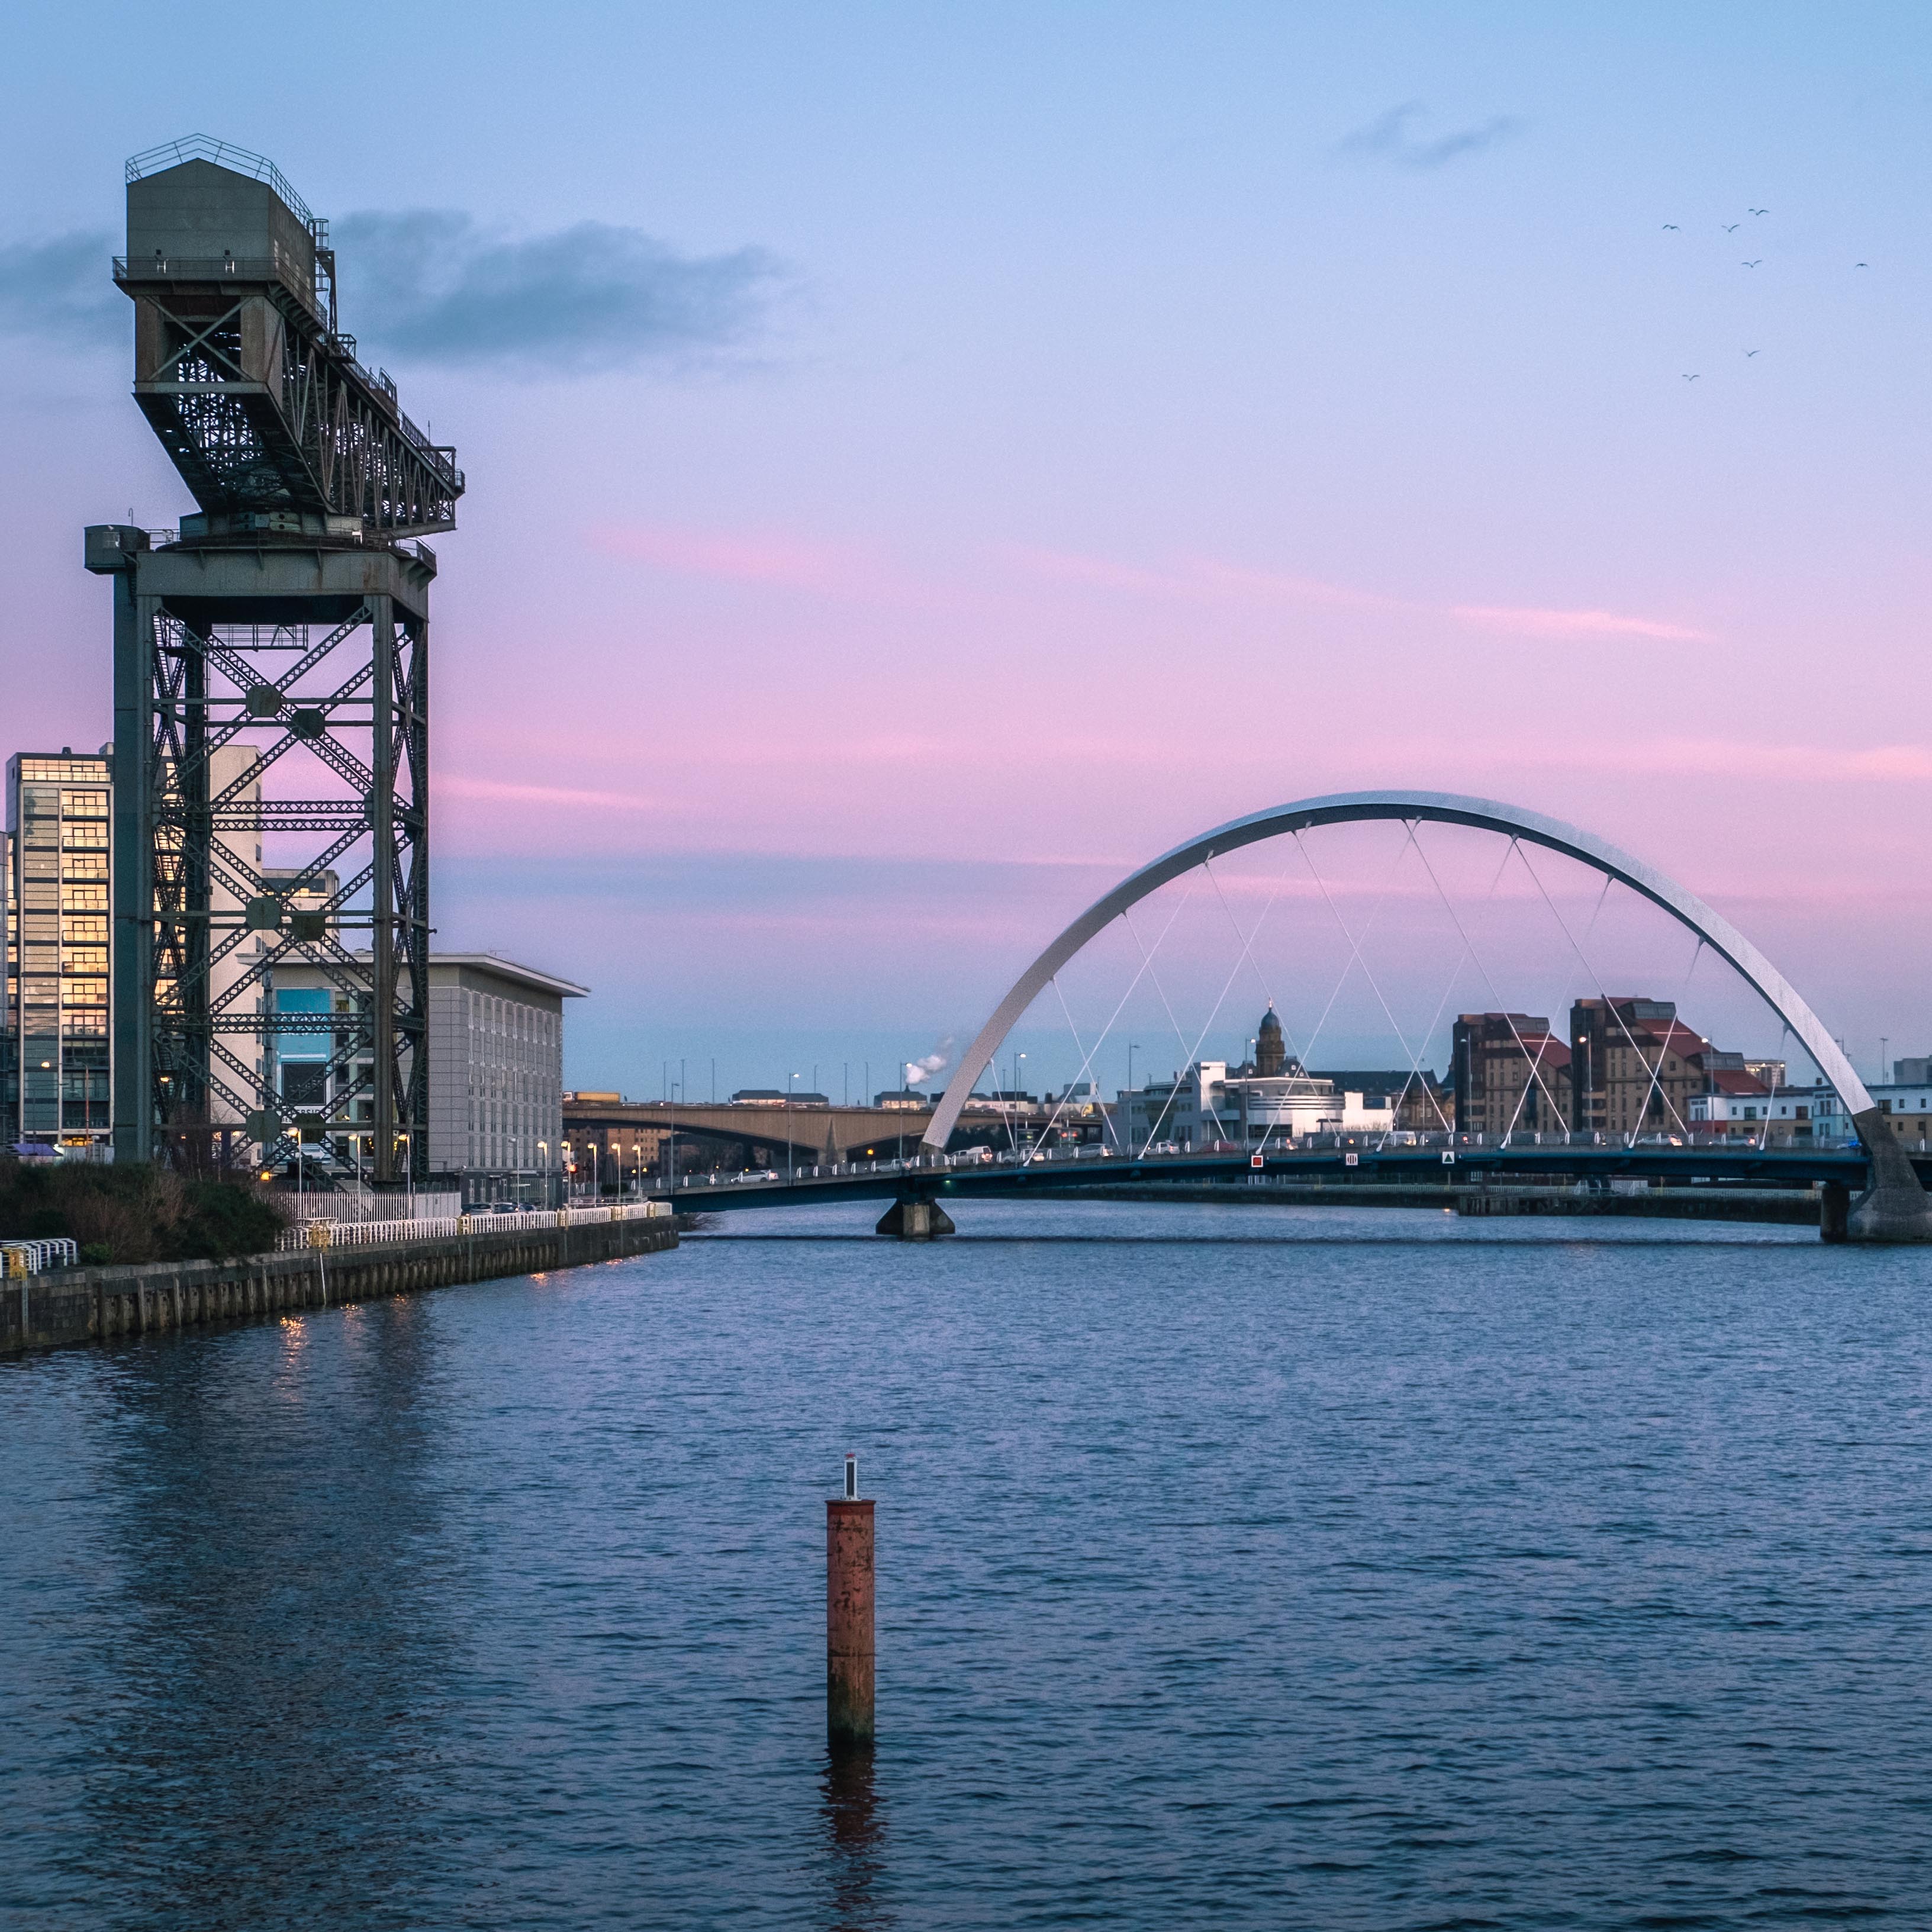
<point>920,469</point>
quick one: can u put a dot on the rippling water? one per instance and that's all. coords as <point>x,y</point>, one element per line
<point>1272,1568</point>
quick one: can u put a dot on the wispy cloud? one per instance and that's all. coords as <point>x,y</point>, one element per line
<point>1532,623</point>
<point>1389,138</point>
<point>773,557</point>
<point>1209,578</point>
<point>434,284</point>
<point>496,791</point>
<point>60,290</point>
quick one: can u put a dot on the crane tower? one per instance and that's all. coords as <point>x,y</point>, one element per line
<point>271,784</point>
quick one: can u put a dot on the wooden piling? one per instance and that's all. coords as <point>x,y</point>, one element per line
<point>848,1623</point>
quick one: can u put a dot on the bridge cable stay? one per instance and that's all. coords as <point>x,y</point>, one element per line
<point>1189,1055</point>
<point>1146,958</point>
<point>1247,948</point>
<point>1655,1071</point>
<point>1596,979</point>
<point>1435,1019</point>
<point>1502,1005</point>
<point>1147,962</point>
<point>1293,1043</point>
<point>1415,1057</point>
<point>1145,968</point>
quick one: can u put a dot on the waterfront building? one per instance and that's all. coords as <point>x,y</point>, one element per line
<point>1906,1105</point>
<point>496,1070</point>
<point>1789,1116</point>
<point>59,937</point>
<point>1510,1075</point>
<point>1415,1101</point>
<point>1637,1065</point>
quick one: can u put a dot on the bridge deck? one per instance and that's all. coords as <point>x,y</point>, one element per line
<point>955,1179</point>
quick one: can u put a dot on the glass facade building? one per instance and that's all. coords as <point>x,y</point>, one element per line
<point>58,945</point>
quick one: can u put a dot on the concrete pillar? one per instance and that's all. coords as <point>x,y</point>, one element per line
<point>848,1623</point>
<point>1894,1207</point>
<point>913,1220</point>
<point>1835,1203</point>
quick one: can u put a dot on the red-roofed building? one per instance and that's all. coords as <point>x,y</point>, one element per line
<point>1511,1075</point>
<point>1635,1066</point>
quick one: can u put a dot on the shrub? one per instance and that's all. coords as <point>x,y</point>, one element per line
<point>130,1214</point>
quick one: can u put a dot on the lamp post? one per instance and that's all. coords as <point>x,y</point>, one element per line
<point>543,1166</point>
<point>1133,1047</point>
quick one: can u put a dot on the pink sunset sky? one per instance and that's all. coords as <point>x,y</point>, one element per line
<point>924,461</point>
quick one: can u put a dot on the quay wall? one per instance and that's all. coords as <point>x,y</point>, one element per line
<point>1796,1208</point>
<point>98,1304</point>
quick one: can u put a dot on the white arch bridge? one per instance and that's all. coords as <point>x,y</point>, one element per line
<point>1891,1205</point>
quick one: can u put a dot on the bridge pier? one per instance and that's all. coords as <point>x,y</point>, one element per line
<point>1834,1207</point>
<point>912,1219</point>
<point>1894,1207</point>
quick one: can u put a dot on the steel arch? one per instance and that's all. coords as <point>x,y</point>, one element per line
<point>1439,807</point>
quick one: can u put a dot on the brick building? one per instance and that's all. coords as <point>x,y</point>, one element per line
<point>1510,1075</point>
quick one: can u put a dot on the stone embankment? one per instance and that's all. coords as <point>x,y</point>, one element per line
<point>97,1304</point>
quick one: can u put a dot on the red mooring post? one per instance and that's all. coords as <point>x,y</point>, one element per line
<point>848,1616</point>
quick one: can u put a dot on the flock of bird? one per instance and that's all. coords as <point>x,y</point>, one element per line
<point>1731,228</point>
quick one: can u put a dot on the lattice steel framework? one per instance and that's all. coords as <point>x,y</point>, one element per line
<point>271,682</point>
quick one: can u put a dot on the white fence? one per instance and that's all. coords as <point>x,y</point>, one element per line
<point>18,1257</point>
<point>442,1227</point>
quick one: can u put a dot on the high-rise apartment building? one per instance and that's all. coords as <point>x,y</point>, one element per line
<point>59,938</point>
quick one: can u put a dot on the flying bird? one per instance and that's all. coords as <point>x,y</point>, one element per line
<point>1760,210</point>
<point>1749,353</point>
<point>1752,264</point>
<point>1861,265</point>
<point>1730,228</point>
<point>1670,228</point>
<point>1690,379</point>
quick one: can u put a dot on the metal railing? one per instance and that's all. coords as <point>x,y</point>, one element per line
<point>23,1257</point>
<point>278,267</point>
<point>226,154</point>
<point>325,1234</point>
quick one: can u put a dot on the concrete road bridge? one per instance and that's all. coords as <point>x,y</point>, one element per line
<point>630,1135</point>
<point>1871,1189</point>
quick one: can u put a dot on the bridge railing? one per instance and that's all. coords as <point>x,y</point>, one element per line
<point>1405,1140</point>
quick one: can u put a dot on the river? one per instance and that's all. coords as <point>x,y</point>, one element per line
<point>1263,1566</point>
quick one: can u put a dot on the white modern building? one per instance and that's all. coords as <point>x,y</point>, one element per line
<point>495,1071</point>
<point>1908,1106</point>
<point>1211,1105</point>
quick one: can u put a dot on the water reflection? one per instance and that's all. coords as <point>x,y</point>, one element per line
<point>279,1622</point>
<point>855,1832</point>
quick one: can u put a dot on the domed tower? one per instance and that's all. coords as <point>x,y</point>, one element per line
<point>1271,1051</point>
